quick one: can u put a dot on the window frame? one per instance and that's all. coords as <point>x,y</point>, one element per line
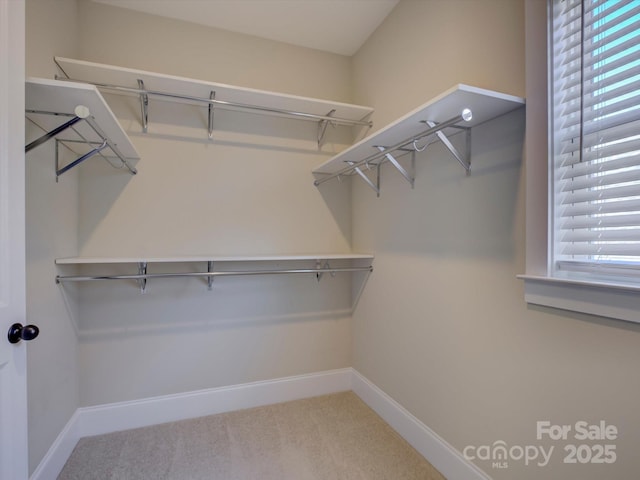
<point>592,296</point>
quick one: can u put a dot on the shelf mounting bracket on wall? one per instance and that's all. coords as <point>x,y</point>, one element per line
<point>210,277</point>
<point>79,160</point>
<point>144,106</point>
<point>409,177</point>
<point>212,96</point>
<point>81,113</point>
<point>142,276</point>
<point>465,160</point>
<point>322,127</point>
<point>374,186</point>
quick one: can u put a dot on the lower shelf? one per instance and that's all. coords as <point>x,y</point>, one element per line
<point>317,265</point>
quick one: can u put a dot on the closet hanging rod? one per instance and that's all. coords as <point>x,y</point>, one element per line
<point>465,116</point>
<point>224,105</point>
<point>146,276</point>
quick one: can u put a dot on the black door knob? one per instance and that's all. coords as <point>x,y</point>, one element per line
<point>17,332</point>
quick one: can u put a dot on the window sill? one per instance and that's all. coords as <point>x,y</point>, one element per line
<point>613,300</point>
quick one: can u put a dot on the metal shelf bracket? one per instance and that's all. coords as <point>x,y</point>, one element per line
<point>368,181</point>
<point>409,177</point>
<point>144,106</point>
<point>142,273</point>
<point>322,127</point>
<point>464,160</point>
<point>81,113</point>
<point>210,277</point>
<point>79,160</point>
<point>323,266</point>
<point>212,96</point>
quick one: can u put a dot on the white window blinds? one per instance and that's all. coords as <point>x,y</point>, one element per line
<point>595,129</point>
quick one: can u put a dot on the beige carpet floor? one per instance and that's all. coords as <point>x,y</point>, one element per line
<point>334,437</point>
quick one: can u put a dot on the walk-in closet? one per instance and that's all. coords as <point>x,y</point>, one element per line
<point>218,221</point>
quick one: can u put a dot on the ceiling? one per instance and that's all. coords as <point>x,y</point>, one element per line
<point>337,26</point>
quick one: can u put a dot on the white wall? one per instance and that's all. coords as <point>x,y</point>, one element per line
<point>146,42</point>
<point>250,191</point>
<point>52,224</point>
<point>442,325</point>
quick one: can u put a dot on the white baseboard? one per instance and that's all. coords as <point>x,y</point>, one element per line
<point>170,408</point>
<point>444,457</point>
<point>101,419</point>
<point>57,455</point>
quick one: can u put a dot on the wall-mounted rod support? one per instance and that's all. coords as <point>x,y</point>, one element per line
<point>78,161</point>
<point>114,147</point>
<point>144,106</point>
<point>375,187</point>
<point>226,105</point>
<point>82,113</point>
<point>407,176</point>
<point>465,162</point>
<point>322,128</point>
<point>465,116</point>
<point>210,278</point>
<point>318,268</point>
<point>212,96</point>
<point>142,276</point>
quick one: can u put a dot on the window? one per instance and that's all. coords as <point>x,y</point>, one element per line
<point>582,158</point>
<point>595,140</point>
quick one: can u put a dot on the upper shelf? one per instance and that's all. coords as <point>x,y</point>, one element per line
<point>445,109</point>
<point>211,258</point>
<point>141,83</point>
<point>50,103</point>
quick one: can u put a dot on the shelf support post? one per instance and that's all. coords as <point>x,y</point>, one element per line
<point>79,160</point>
<point>144,106</point>
<point>376,187</point>
<point>112,146</point>
<point>468,148</point>
<point>408,177</point>
<point>322,127</point>
<point>465,160</point>
<point>212,96</point>
<point>142,270</point>
<point>57,157</point>
<point>325,266</point>
<point>210,277</point>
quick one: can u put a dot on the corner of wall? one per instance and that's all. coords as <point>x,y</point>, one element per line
<point>51,223</point>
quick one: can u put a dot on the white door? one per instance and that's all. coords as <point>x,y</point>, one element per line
<point>13,375</point>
